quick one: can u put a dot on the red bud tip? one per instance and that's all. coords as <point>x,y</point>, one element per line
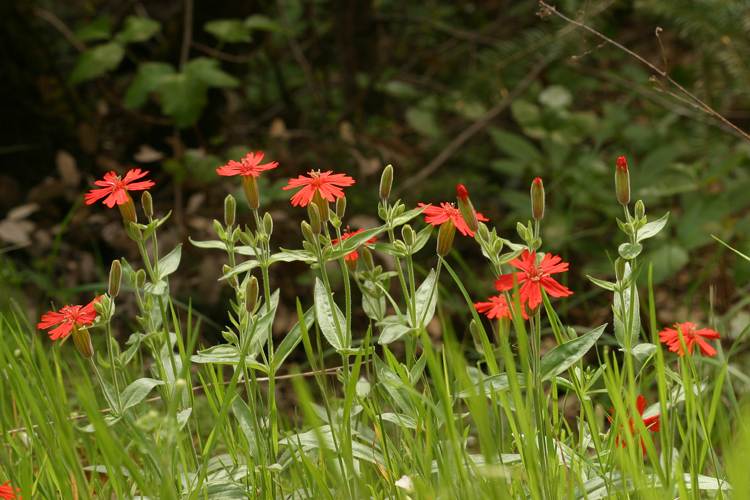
<point>538,181</point>
<point>462,192</point>
<point>622,164</point>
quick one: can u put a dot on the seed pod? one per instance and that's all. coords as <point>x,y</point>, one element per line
<point>115,276</point>
<point>314,214</point>
<point>341,207</point>
<point>466,208</point>
<point>251,294</point>
<point>367,256</point>
<point>445,237</point>
<point>250,186</point>
<point>537,199</point>
<point>407,233</point>
<point>622,181</point>
<point>148,204</point>
<point>268,224</point>
<point>82,340</point>
<point>386,180</point>
<point>140,278</point>
<point>230,210</point>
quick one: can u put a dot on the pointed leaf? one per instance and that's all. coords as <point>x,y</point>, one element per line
<point>170,262</point>
<point>210,73</point>
<point>137,392</point>
<point>183,97</point>
<point>97,61</point>
<point>426,298</point>
<point>292,339</point>
<point>245,419</point>
<point>566,355</point>
<point>627,339</point>
<point>652,228</point>
<point>147,80</point>
<point>392,333</point>
<point>228,30</point>
<point>98,29</point>
<point>138,29</point>
<point>324,316</point>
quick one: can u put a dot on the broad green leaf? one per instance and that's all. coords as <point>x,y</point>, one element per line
<point>407,216</point>
<point>351,244</point>
<point>98,29</point>
<point>147,80</point>
<point>389,249</point>
<point>667,260</point>
<point>374,306</point>
<point>643,351</point>
<point>258,334</point>
<point>138,29</point>
<point>183,416</point>
<point>400,420</point>
<point>170,262</point>
<point>603,284</point>
<point>292,339</point>
<point>495,383</point>
<point>422,238</point>
<point>556,96</point>
<point>183,97</point>
<point>652,228</point>
<point>228,30</point>
<point>137,392</point>
<point>210,73</point>
<point>97,61</point>
<point>423,121</point>
<point>158,288</point>
<point>309,441</point>
<point>514,145</point>
<point>263,23</point>
<point>294,255</point>
<point>241,268</point>
<point>566,355</point>
<point>324,316</point>
<point>627,339</point>
<point>245,419</point>
<point>630,251</point>
<point>212,244</point>
<point>426,299</point>
<point>392,383</point>
<point>392,333</point>
<point>109,421</point>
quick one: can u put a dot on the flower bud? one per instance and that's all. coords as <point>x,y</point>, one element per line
<point>367,257</point>
<point>445,237</point>
<point>127,210</point>
<point>466,208</point>
<point>407,233</point>
<point>82,340</point>
<point>483,232</point>
<point>314,214</point>
<point>620,269</point>
<point>251,294</point>
<point>250,186</point>
<point>268,224</point>
<point>115,276</point>
<point>322,204</point>
<point>225,269</point>
<point>308,233</point>
<point>148,204</point>
<point>537,199</point>
<point>140,278</point>
<point>340,207</point>
<point>351,265</point>
<point>247,237</point>
<point>640,210</point>
<point>135,231</point>
<point>522,231</point>
<point>386,180</point>
<point>622,181</point>
<point>219,230</point>
<point>230,210</point>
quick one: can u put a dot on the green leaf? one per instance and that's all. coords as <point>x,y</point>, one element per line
<point>566,355</point>
<point>183,416</point>
<point>495,383</point>
<point>228,30</point>
<point>389,249</point>
<point>667,260</point>
<point>603,284</point>
<point>97,61</point>
<point>137,391</point>
<point>324,316</point>
<point>212,244</point>
<point>627,340</point>
<point>245,419</point>
<point>423,121</point>
<point>147,80</point>
<point>158,288</point>
<point>351,244</point>
<point>98,29</point>
<point>138,29</point>
<point>514,145</point>
<point>422,238</point>
<point>209,72</point>
<point>170,262</point>
<point>293,255</point>
<point>294,337</point>
<point>426,298</point>
<point>556,97</point>
<point>643,351</point>
<point>407,216</point>
<point>630,251</point>
<point>183,97</point>
<point>652,228</point>
<point>263,23</point>
<point>241,268</point>
<point>392,333</point>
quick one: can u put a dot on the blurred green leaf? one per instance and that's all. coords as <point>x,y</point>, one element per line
<point>210,73</point>
<point>566,355</point>
<point>147,80</point>
<point>423,121</point>
<point>98,29</point>
<point>514,145</point>
<point>183,97</point>
<point>556,96</point>
<point>667,260</point>
<point>97,61</point>
<point>263,23</point>
<point>228,30</point>
<point>138,29</point>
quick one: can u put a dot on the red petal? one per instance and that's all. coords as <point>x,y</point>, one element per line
<point>506,282</point>
<point>554,288</point>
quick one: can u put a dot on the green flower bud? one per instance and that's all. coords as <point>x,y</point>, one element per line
<point>640,210</point>
<point>135,231</point>
<point>250,186</point>
<point>148,204</point>
<point>386,180</point>
<point>322,204</point>
<point>219,230</point>
<point>230,210</point>
<point>367,257</point>
<point>115,276</point>
<point>140,278</point>
<point>466,208</point>
<point>537,199</point>
<point>352,264</point>
<point>247,237</point>
<point>314,214</point>
<point>127,210</point>
<point>268,224</point>
<point>620,269</point>
<point>251,294</point>
<point>483,232</point>
<point>522,231</point>
<point>622,181</point>
<point>445,237</point>
<point>407,233</point>
<point>82,340</point>
<point>340,207</point>
<point>308,233</point>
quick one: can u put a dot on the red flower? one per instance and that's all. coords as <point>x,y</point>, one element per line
<point>436,216</point>
<point>67,317</point>
<point>116,189</point>
<point>691,335</point>
<point>651,423</point>
<point>250,165</point>
<point>9,492</point>
<point>353,255</point>
<point>534,277</point>
<point>497,307</point>
<point>327,184</point>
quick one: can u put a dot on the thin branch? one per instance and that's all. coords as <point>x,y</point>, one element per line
<point>472,130</point>
<point>548,9</point>
<point>187,34</point>
<point>223,55</point>
<point>61,27</point>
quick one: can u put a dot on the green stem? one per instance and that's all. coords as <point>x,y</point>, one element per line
<point>110,348</point>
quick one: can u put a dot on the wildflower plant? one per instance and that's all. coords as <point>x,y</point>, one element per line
<point>392,413</point>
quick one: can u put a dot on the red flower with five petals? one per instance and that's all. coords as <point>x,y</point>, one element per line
<point>9,492</point>
<point>652,423</point>
<point>691,335</point>
<point>116,189</point>
<point>533,277</point>
<point>67,317</point>
<point>327,184</point>
<point>437,215</point>
<point>353,255</point>
<point>497,307</point>
<point>250,165</point>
